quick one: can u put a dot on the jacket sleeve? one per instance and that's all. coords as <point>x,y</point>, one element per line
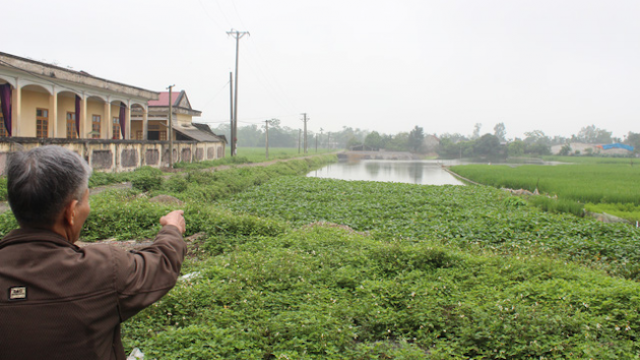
<point>144,276</point>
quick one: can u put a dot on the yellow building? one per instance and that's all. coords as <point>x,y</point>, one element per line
<point>47,104</point>
<point>46,101</point>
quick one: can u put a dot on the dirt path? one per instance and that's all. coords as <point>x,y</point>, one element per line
<point>194,243</point>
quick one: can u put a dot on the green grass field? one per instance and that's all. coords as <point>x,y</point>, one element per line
<point>614,186</point>
<point>252,155</point>
<point>593,160</point>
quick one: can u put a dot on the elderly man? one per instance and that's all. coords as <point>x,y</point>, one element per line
<point>60,301</point>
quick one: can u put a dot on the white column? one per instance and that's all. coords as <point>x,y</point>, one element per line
<point>108,120</point>
<point>128,120</point>
<point>145,124</point>
<point>83,118</point>
<point>16,109</point>
<point>53,114</point>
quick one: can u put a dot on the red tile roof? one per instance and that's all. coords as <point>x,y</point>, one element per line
<point>163,100</point>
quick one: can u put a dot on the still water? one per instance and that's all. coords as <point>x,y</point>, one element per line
<point>425,172</point>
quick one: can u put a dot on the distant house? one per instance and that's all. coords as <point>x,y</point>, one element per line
<point>599,149</point>
<point>183,126</point>
<point>430,143</point>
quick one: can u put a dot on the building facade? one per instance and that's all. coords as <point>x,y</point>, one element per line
<point>47,104</point>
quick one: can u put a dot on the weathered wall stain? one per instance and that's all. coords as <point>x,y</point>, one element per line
<point>115,155</point>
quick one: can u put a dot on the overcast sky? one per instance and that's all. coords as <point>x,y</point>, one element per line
<point>552,65</point>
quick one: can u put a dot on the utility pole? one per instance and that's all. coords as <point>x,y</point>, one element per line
<point>320,140</point>
<point>232,133</point>
<point>266,142</point>
<point>237,35</point>
<point>305,131</point>
<point>299,139</point>
<point>170,126</point>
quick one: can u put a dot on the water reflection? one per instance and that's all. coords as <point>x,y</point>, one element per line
<point>412,172</point>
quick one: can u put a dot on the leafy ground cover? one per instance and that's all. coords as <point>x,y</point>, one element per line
<point>433,272</point>
<point>129,214</point>
<point>460,215</point>
<point>322,293</point>
<point>251,155</point>
<point>616,184</point>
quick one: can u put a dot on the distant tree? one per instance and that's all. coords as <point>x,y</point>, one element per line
<point>399,142</point>
<point>500,132</point>
<point>537,149</point>
<point>593,135</point>
<point>223,129</point>
<point>455,137</point>
<point>249,136</point>
<point>516,148</point>
<point>352,142</point>
<point>633,139</point>
<point>566,150</point>
<point>536,137</point>
<point>373,140</point>
<point>476,131</point>
<point>487,145</point>
<point>415,138</point>
<point>559,140</point>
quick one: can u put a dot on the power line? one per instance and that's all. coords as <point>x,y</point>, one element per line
<point>209,16</point>
<point>223,14</point>
<point>237,13</point>
<point>260,61</point>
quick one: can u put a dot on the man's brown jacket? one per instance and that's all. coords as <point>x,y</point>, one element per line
<point>59,301</point>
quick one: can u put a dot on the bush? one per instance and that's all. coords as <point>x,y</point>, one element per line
<point>557,205</point>
<point>147,182</point>
<point>3,188</point>
<point>318,293</point>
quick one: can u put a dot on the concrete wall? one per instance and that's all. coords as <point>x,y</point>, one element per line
<point>31,101</point>
<point>119,155</point>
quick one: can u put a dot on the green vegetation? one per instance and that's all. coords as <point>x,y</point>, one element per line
<point>278,288</point>
<point>320,293</point>
<point>128,215</point>
<point>305,268</point>
<point>251,155</point>
<point>594,160</point>
<point>626,211</point>
<point>585,183</point>
<point>457,215</point>
<point>596,181</point>
<point>105,178</point>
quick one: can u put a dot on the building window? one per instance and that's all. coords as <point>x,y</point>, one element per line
<point>139,135</point>
<point>42,123</point>
<point>116,128</point>
<point>71,126</point>
<point>95,126</point>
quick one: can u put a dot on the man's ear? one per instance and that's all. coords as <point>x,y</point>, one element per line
<point>70,212</point>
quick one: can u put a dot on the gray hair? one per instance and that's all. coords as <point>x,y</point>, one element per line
<point>42,181</point>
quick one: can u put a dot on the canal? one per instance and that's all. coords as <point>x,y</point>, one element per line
<point>423,172</point>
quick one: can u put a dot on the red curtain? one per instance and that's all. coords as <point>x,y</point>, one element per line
<point>5,97</point>
<point>78,115</point>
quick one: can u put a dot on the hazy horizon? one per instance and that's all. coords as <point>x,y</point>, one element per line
<point>377,65</point>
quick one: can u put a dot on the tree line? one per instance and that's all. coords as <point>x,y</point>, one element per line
<point>493,144</point>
